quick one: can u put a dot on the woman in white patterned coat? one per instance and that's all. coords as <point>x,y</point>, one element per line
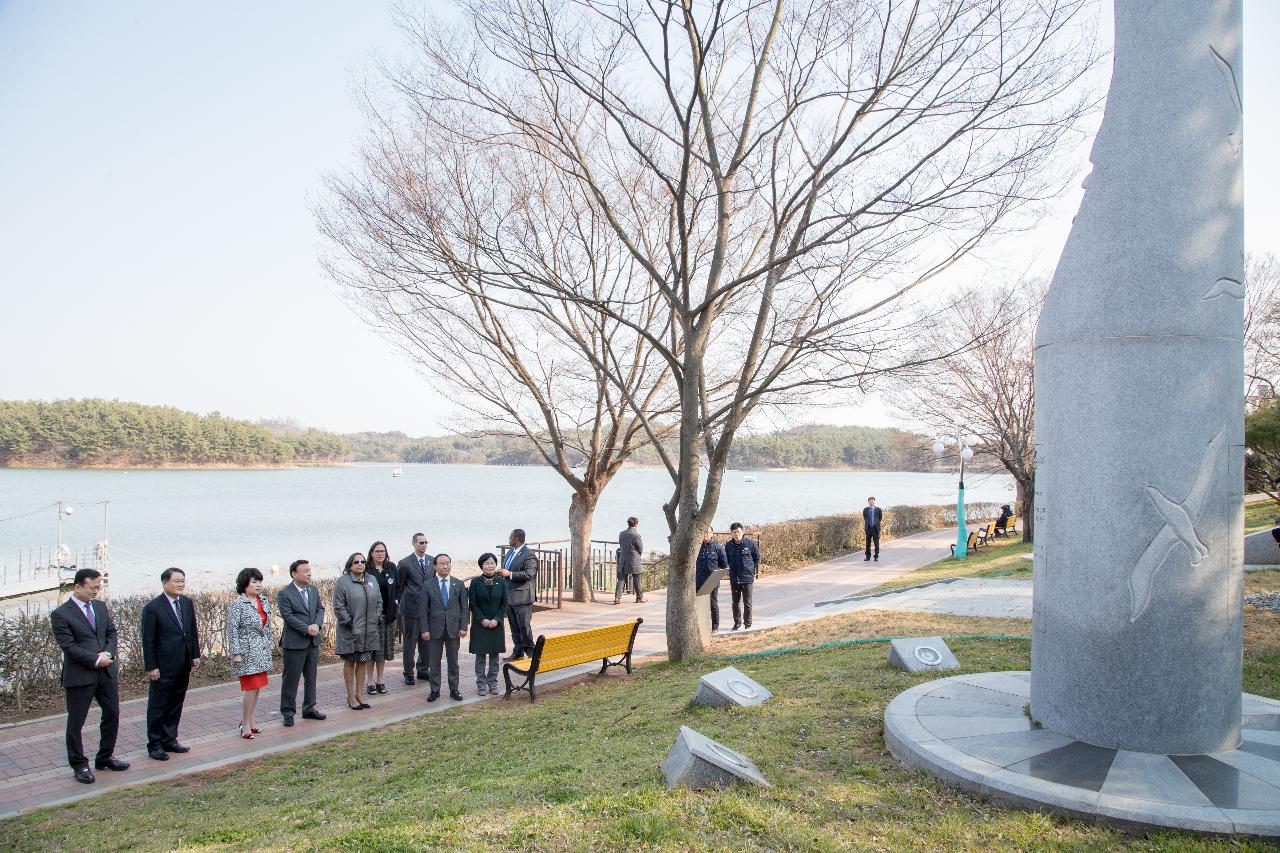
<point>249,641</point>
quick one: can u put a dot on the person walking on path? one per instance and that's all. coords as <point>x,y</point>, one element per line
<point>411,578</point>
<point>381,569</point>
<point>630,565</point>
<point>711,557</point>
<point>872,515</point>
<point>303,614</point>
<point>249,641</point>
<point>357,608</point>
<point>520,568</point>
<point>744,563</point>
<point>487,596</point>
<point>170,653</point>
<point>445,614</point>
<point>87,636</point>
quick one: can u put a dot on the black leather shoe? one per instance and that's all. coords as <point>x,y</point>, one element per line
<point>111,763</point>
<point>287,720</point>
<point>176,747</point>
<point>433,696</point>
<point>867,560</point>
<point>455,695</point>
<point>313,715</point>
<point>157,753</point>
<point>85,775</point>
<point>409,681</point>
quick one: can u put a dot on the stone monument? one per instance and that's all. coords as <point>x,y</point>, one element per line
<point>1140,404</point>
<point>921,654</point>
<point>730,686</point>
<point>1132,713</point>
<point>696,761</point>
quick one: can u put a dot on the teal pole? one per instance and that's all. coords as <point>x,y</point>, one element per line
<point>962,534</point>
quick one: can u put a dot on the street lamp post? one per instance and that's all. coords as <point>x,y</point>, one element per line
<point>63,510</point>
<point>965,443</point>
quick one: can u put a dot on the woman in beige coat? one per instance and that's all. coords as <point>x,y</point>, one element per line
<point>357,605</point>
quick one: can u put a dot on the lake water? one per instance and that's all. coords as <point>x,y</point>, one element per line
<point>212,523</point>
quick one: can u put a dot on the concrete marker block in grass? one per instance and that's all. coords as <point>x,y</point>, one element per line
<point>696,761</point>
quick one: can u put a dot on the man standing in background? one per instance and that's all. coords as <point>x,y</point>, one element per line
<point>630,551</point>
<point>744,562</point>
<point>711,558</point>
<point>170,651</point>
<point>520,568</point>
<point>871,518</point>
<point>412,573</point>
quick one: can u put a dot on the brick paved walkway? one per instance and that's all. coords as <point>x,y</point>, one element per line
<point>33,765</point>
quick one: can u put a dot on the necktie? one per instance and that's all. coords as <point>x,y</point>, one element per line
<point>88,612</point>
<point>177,611</point>
<point>511,558</point>
<point>422,563</point>
<point>305,605</point>
<point>444,590</point>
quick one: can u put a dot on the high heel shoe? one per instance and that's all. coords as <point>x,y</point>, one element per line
<point>359,707</point>
<point>252,732</point>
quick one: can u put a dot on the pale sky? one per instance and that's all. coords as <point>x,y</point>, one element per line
<point>156,239</point>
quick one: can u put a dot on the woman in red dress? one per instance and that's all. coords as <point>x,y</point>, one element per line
<point>249,641</point>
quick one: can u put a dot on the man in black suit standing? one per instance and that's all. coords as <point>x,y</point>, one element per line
<point>520,568</point>
<point>300,607</point>
<point>170,651</point>
<point>87,636</point>
<point>445,613</point>
<point>872,515</point>
<point>412,575</point>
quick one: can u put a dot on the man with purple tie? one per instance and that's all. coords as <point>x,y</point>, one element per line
<point>84,630</point>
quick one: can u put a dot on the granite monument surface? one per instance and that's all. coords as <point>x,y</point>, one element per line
<point>921,654</point>
<point>730,686</point>
<point>696,761</point>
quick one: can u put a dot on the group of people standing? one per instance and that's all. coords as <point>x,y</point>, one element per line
<point>433,611</point>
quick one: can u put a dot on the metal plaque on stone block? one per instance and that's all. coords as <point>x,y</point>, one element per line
<point>696,761</point>
<point>730,686</point>
<point>921,654</point>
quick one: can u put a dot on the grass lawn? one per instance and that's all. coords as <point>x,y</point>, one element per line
<point>580,770</point>
<point>1260,515</point>
<point>1003,558</point>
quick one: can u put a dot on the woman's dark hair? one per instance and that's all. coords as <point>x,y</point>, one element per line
<point>352,559</point>
<point>487,555</point>
<point>369,557</point>
<point>245,576</point>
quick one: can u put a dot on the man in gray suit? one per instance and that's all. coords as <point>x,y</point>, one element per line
<point>302,610</point>
<point>520,568</point>
<point>444,612</point>
<point>413,572</point>
<point>630,550</point>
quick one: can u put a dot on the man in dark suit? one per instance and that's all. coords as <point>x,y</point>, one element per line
<point>520,568</point>
<point>170,651</point>
<point>711,558</point>
<point>630,566</point>
<point>300,607</point>
<point>445,612</point>
<point>87,636</point>
<point>412,575</point>
<point>744,563</point>
<point>872,515</point>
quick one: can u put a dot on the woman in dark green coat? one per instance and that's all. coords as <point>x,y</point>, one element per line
<point>488,597</point>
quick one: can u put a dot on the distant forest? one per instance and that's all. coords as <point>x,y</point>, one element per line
<point>76,433</point>
<point>107,432</point>
<point>876,448</point>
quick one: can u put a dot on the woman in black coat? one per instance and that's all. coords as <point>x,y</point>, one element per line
<point>488,597</point>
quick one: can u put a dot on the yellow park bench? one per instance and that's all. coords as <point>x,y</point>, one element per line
<point>986,535</point>
<point>552,653</point>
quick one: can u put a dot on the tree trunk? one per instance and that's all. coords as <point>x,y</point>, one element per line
<point>683,639</point>
<point>1026,497</point>
<point>581,507</point>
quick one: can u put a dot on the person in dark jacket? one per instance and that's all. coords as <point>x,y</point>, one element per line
<point>711,557</point>
<point>170,652</point>
<point>520,568</point>
<point>488,599</point>
<point>630,563</point>
<point>87,636</point>
<point>744,563</point>
<point>381,569</point>
<point>1002,522</point>
<point>412,574</point>
<point>872,516</point>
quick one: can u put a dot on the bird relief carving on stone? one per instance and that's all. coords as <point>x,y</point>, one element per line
<point>1182,520</point>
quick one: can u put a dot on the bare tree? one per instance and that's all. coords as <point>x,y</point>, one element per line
<point>1262,326</point>
<point>781,177</point>
<point>415,239</point>
<point>983,378</point>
